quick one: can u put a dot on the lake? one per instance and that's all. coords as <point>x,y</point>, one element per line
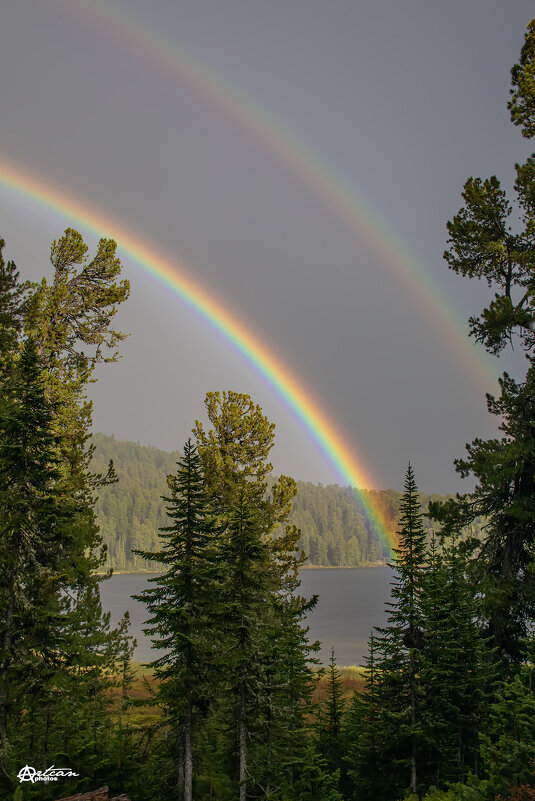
<point>351,601</point>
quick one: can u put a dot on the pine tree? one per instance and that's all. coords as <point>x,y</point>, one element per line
<point>457,669</point>
<point>12,298</point>
<point>397,691</point>
<point>267,665</point>
<point>248,590</point>
<point>507,744</point>
<point>483,245</point>
<point>367,774</point>
<point>331,717</point>
<point>235,452</point>
<point>32,522</point>
<point>186,608</point>
<point>53,633</point>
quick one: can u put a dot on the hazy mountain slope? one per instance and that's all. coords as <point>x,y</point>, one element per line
<point>334,528</point>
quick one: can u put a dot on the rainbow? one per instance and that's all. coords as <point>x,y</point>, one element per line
<point>346,203</point>
<point>175,277</point>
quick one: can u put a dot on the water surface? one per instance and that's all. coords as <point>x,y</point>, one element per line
<point>351,601</point>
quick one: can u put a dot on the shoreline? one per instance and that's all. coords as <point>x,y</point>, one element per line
<point>305,567</point>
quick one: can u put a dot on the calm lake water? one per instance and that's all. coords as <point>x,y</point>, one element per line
<point>351,601</point>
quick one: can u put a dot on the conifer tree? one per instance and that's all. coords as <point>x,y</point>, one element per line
<point>185,606</point>
<point>32,525</point>
<point>12,297</point>
<point>267,665</point>
<point>507,743</point>
<point>52,628</point>
<point>331,717</point>
<point>249,592</point>
<point>398,661</point>
<point>367,774</point>
<point>457,669</point>
<point>235,452</point>
<point>484,245</point>
<point>284,700</point>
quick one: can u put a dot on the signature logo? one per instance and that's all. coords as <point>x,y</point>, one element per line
<point>51,774</point>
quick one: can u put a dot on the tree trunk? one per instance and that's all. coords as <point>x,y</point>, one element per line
<point>4,666</point>
<point>188,757</point>
<point>180,769</point>
<point>242,734</point>
<point>413,725</point>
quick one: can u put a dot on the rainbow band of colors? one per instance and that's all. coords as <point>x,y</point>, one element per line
<point>263,360</point>
<point>348,203</point>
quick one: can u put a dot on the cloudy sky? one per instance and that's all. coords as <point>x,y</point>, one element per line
<point>296,159</point>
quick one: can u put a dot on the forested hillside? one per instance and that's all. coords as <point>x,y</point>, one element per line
<point>334,528</point>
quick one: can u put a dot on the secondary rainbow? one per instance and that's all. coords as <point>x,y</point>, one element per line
<point>346,201</point>
<point>174,275</point>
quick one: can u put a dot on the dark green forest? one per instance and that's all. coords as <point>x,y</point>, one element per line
<point>235,707</point>
<point>334,530</point>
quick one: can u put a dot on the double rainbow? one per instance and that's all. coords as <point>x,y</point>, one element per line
<point>347,203</point>
<point>175,277</point>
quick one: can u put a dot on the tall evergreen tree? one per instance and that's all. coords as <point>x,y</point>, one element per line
<point>249,590</point>
<point>235,452</point>
<point>186,609</point>
<point>32,527</point>
<point>267,665</point>
<point>457,669</point>
<point>366,771</point>
<point>508,741</point>
<point>52,627</point>
<point>398,740</point>
<point>331,717</point>
<point>484,245</point>
<point>12,297</point>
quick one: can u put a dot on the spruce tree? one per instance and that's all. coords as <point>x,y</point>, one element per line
<point>12,298</point>
<point>507,742</point>
<point>249,594</point>
<point>53,633</point>
<point>32,524</point>
<point>267,666</point>
<point>397,700</point>
<point>366,772</point>
<point>331,717</point>
<point>457,669</point>
<point>186,610</point>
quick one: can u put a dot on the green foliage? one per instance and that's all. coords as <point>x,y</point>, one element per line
<point>508,743</point>
<point>473,790</point>
<point>235,680</point>
<point>522,104</point>
<point>12,298</point>
<point>389,723</point>
<point>334,529</point>
<point>33,520</point>
<point>57,652</point>
<point>505,495</point>
<point>484,245</point>
<point>186,608</point>
<point>330,720</point>
<point>235,452</point>
<point>429,675</point>
<point>312,781</point>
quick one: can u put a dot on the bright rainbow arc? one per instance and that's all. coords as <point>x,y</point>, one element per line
<point>347,203</point>
<point>277,374</point>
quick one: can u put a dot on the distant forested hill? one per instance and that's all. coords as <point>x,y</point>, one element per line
<point>334,527</point>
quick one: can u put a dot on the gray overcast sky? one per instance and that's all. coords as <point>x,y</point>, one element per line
<point>401,101</point>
